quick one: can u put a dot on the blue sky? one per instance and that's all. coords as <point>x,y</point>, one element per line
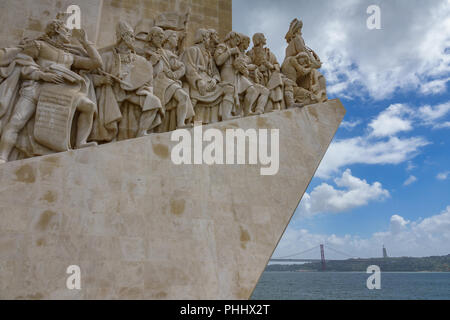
<point>386,177</point>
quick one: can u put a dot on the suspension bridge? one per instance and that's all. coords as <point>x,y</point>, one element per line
<point>297,257</point>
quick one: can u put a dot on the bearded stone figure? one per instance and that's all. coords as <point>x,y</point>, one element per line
<point>269,68</point>
<point>167,72</point>
<point>127,107</point>
<point>227,59</point>
<point>244,64</point>
<point>212,99</point>
<point>58,93</point>
<point>50,94</point>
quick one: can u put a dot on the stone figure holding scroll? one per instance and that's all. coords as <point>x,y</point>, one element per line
<point>269,68</point>
<point>167,72</point>
<point>64,90</point>
<point>127,107</point>
<point>212,99</point>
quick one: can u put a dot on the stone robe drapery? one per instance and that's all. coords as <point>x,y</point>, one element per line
<point>165,88</point>
<point>200,66</point>
<point>118,118</point>
<point>272,78</point>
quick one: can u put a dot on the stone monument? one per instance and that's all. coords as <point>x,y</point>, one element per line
<point>97,113</point>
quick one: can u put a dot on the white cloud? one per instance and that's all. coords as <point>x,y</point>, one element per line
<point>411,166</point>
<point>431,114</point>
<point>363,150</point>
<point>443,176</point>
<point>409,53</point>
<point>434,87</point>
<point>352,193</point>
<point>443,125</point>
<point>402,237</point>
<point>410,181</point>
<point>350,125</point>
<point>391,121</point>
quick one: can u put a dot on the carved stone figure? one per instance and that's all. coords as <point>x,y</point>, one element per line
<point>269,68</point>
<point>50,86</point>
<point>212,99</point>
<point>226,55</point>
<point>170,42</point>
<point>127,107</point>
<point>57,92</point>
<point>247,68</point>
<point>301,81</point>
<point>296,45</point>
<point>167,72</point>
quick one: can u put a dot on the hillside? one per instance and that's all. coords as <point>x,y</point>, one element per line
<point>404,264</point>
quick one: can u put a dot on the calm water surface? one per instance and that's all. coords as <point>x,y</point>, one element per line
<point>349,286</point>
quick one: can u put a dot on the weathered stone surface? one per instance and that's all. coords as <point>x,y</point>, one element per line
<point>142,228</point>
<point>28,18</point>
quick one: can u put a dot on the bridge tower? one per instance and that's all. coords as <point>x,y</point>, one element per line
<point>322,257</point>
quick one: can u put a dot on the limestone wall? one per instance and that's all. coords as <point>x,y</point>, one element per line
<point>140,227</point>
<point>27,18</point>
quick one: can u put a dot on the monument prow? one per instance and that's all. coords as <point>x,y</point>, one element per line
<point>141,227</point>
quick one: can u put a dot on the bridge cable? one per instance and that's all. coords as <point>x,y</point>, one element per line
<point>339,252</point>
<point>296,254</point>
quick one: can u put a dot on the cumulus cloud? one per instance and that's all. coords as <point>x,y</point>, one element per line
<point>364,150</point>
<point>410,181</point>
<point>430,115</point>
<point>434,87</point>
<point>383,143</point>
<point>351,193</point>
<point>402,237</point>
<point>409,53</point>
<point>392,121</point>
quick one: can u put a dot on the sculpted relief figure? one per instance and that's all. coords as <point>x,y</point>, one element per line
<point>171,41</point>
<point>227,59</point>
<point>244,64</point>
<point>127,107</point>
<point>212,99</point>
<point>57,92</point>
<point>269,68</point>
<point>168,71</point>
<point>52,91</point>
<point>296,54</point>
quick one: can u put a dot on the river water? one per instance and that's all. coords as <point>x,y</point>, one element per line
<point>350,286</point>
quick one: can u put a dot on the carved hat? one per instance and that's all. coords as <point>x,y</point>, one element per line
<point>143,28</point>
<point>123,28</point>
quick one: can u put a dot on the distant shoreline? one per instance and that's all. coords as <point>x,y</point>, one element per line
<point>400,265</point>
<point>316,271</point>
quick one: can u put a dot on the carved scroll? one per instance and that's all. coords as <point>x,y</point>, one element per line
<point>54,117</point>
